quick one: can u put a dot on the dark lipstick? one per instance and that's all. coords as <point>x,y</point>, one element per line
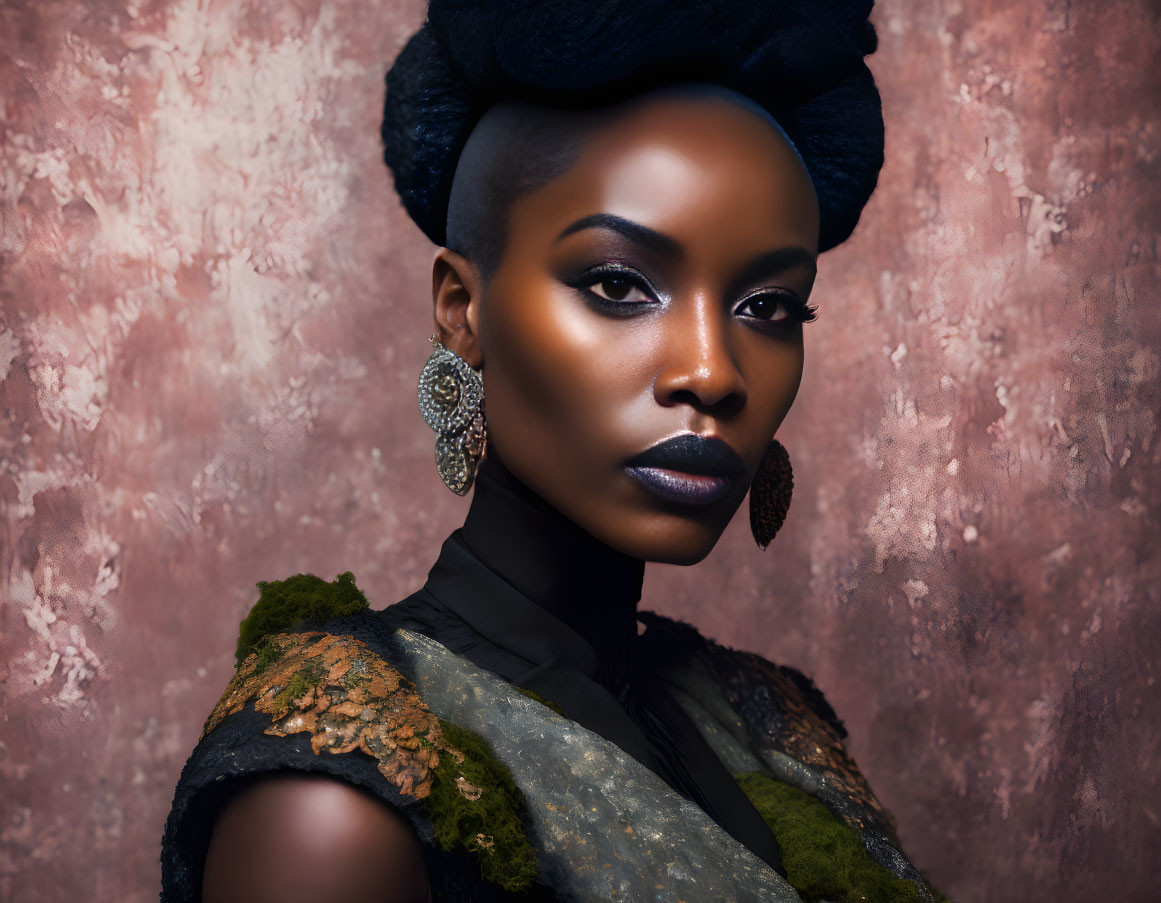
<point>688,469</point>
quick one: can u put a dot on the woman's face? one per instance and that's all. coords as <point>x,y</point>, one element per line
<point>653,291</point>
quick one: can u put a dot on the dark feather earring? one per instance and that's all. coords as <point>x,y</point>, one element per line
<point>770,493</point>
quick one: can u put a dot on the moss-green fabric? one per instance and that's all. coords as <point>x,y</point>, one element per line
<point>489,826</point>
<point>824,858</point>
<point>284,604</point>
<point>547,703</point>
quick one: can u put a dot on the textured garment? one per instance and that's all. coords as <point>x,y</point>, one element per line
<point>655,725</point>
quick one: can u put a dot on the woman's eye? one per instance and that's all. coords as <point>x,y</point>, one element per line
<point>777,308</point>
<point>618,289</point>
<point>767,307</point>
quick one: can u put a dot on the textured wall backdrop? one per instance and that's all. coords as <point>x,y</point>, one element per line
<point>214,312</point>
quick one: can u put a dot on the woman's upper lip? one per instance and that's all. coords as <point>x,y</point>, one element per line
<point>690,453</point>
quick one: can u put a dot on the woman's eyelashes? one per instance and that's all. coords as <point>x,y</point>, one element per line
<point>622,291</point>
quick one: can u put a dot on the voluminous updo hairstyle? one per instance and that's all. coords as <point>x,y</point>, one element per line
<point>800,60</point>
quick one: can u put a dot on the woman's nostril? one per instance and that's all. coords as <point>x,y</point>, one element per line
<point>705,388</point>
<point>700,369</point>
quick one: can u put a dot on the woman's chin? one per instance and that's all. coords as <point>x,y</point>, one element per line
<point>667,557</point>
<point>680,544</point>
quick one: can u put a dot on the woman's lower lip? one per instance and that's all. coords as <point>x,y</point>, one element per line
<point>684,488</point>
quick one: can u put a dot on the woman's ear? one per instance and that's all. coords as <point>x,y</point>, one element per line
<point>456,287</point>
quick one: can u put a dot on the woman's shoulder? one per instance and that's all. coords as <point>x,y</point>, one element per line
<point>320,676</point>
<point>772,726</point>
<point>774,711</point>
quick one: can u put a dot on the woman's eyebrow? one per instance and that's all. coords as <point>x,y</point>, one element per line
<point>635,232</point>
<point>773,262</point>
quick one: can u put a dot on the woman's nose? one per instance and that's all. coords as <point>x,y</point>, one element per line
<point>698,364</point>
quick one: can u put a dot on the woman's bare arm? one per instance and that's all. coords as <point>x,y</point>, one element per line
<point>302,838</point>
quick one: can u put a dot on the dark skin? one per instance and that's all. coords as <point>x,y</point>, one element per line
<point>711,224</point>
<point>298,836</point>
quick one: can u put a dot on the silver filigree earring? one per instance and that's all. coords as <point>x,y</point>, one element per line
<point>451,399</point>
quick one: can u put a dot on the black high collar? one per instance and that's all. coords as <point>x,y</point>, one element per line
<point>574,577</point>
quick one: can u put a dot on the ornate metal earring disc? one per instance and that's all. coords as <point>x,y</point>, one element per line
<point>451,400</point>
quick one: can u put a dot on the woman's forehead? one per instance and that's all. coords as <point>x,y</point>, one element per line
<point>695,95</point>
<point>675,159</point>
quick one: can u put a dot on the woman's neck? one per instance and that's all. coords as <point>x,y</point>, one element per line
<point>588,585</point>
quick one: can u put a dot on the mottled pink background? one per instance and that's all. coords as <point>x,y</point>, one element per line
<point>214,312</point>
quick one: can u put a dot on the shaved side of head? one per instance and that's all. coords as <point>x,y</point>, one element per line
<point>514,149</point>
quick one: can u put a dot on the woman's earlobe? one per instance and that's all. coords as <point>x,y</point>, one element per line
<point>456,287</point>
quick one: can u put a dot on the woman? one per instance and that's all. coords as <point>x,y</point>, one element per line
<point>629,200</point>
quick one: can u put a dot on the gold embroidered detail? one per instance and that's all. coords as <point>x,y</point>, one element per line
<point>347,698</point>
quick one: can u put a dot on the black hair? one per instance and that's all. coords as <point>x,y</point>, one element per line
<point>799,60</point>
